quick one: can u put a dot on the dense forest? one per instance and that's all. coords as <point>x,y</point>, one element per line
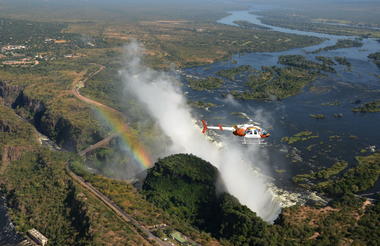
<point>184,185</point>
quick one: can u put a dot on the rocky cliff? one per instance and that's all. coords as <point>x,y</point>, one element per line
<point>52,124</point>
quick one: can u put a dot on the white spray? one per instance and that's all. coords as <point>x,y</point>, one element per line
<point>165,102</point>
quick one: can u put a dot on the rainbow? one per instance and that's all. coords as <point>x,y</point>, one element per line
<point>115,121</point>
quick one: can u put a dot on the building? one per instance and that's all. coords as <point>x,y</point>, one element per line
<point>21,62</point>
<point>37,237</point>
<point>12,47</point>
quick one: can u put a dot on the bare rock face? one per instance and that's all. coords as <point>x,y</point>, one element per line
<point>13,153</point>
<point>9,93</point>
<point>4,126</point>
<point>9,154</point>
<point>57,128</point>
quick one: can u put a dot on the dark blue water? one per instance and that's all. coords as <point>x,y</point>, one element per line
<point>356,131</point>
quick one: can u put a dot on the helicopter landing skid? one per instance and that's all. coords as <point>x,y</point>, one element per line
<point>253,141</point>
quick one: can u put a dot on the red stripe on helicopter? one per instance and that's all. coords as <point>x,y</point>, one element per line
<point>220,127</point>
<point>204,126</point>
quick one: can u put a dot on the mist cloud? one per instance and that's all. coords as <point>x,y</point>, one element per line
<point>164,101</point>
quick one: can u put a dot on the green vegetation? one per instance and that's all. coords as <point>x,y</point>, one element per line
<point>334,137</point>
<point>343,61</point>
<point>63,118</point>
<point>202,105</point>
<point>169,185</point>
<point>325,60</point>
<point>209,83</point>
<point>275,83</point>
<point>301,136</point>
<point>199,44</point>
<point>13,130</point>
<point>317,116</point>
<point>323,174</point>
<point>278,83</point>
<point>35,185</point>
<point>375,57</point>
<point>40,195</point>
<point>65,50</point>
<point>301,62</point>
<point>39,192</point>
<point>106,87</point>
<point>341,44</point>
<point>232,73</point>
<point>368,107</point>
<point>332,103</point>
<point>249,25</point>
<point>32,33</point>
<point>350,19</point>
<point>184,185</point>
<point>356,179</point>
<point>346,220</point>
<point>129,199</point>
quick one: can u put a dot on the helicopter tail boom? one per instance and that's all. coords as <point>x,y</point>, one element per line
<point>219,127</point>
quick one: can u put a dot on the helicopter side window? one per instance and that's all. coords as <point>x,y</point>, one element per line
<point>255,132</point>
<point>249,132</point>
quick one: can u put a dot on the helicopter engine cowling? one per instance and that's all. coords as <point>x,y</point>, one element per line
<point>239,132</point>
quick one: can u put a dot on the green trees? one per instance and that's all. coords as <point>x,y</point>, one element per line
<point>367,232</point>
<point>360,178</point>
<point>342,43</point>
<point>356,179</point>
<point>278,82</point>
<point>301,62</point>
<point>184,185</point>
<point>41,196</point>
<point>368,107</point>
<point>232,73</point>
<point>209,83</point>
<point>238,223</point>
<point>375,58</point>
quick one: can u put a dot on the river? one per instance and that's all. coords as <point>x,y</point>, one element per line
<point>286,117</point>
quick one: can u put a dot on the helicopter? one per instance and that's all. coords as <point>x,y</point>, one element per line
<point>249,131</point>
